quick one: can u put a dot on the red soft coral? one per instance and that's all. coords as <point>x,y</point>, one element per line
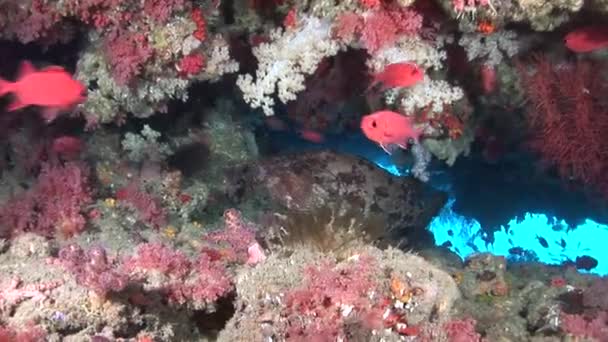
<point>370,3</point>
<point>569,117</point>
<point>191,64</point>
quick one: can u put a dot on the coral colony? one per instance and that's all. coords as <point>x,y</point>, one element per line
<point>141,198</point>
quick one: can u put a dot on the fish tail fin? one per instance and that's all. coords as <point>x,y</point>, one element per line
<point>5,87</point>
<point>370,87</point>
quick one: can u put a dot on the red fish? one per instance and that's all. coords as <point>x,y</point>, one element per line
<point>52,88</point>
<point>312,136</point>
<point>587,39</point>
<point>398,75</point>
<point>67,146</point>
<point>388,128</point>
<point>488,79</point>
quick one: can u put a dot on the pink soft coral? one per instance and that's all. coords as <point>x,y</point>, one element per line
<point>378,28</point>
<point>27,334</point>
<point>161,10</point>
<point>160,258</point>
<point>595,327</point>
<point>237,235</point>
<point>147,207</point>
<point>93,269</point>
<point>55,204</point>
<point>462,331</point>
<point>127,54</point>
<point>569,118</point>
<point>315,310</point>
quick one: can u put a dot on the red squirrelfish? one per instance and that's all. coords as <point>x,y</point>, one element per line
<point>388,128</point>
<point>587,39</point>
<point>312,136</point>
<point>398,75</point>
<point>67,146</point>
<point>52,88</point>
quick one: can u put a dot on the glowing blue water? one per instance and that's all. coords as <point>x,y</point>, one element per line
<point>588,238</point>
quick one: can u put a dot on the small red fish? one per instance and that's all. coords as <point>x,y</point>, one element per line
<point>67,146</point>
<point>388,128</point>
<point>311,136</point>
<point>275,123</point>
<point>52,88</point>
<point>398,75</point>
<point>587,39</point>
<point>488,79</point>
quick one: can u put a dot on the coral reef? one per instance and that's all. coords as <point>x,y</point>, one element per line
<point>158,208</point>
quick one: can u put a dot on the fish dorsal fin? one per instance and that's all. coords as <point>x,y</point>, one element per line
<point>25,69</point>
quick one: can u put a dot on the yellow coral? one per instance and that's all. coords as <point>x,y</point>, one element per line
<point>110,202</point>
<point>170,232</point>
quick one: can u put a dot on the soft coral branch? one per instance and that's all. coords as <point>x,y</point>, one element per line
<point>568,118</point>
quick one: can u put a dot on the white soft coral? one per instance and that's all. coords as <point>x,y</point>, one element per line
<point>285,61</point>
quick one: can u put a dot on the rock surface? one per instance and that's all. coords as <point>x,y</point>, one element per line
<point>310,180</point>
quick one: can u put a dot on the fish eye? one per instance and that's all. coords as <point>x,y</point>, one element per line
<point>374,123</point>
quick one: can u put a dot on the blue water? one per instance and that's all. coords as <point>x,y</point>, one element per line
<point>464,235</point>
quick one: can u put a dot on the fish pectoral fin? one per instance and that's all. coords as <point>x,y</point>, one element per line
<point>16,105</point>
<point>50,113</point>
<point>25,69</point>
<point>385,148</point>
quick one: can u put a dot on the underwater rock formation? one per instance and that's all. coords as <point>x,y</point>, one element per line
<point>312,180</point>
